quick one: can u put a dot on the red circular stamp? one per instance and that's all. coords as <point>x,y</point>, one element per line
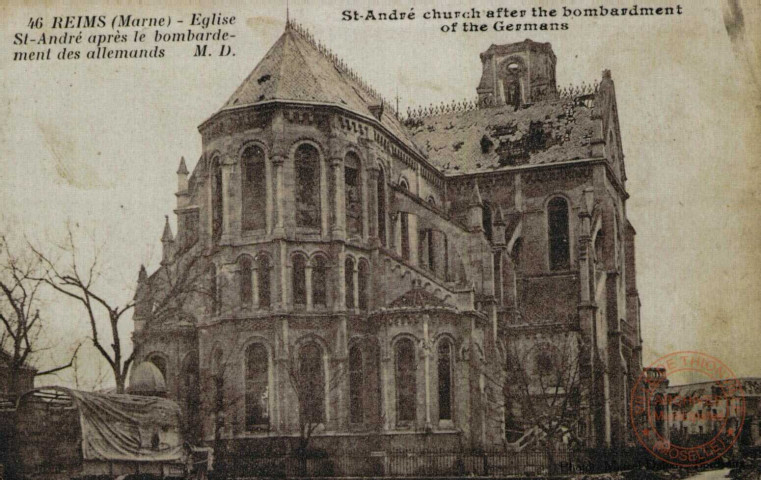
<point>687,408</point>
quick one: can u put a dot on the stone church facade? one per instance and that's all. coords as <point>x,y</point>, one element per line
<point>337,267</point>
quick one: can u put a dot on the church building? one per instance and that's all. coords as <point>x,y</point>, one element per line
<point>372,279</point>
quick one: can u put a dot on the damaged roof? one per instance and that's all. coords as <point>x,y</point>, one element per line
<point>497,138</point>
<point>296,69</point>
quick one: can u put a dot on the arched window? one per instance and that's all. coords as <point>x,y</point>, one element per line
<point>431,250</point>
<point>189,393</point>
<point>356,387</point>
<point>405,223</point>
<point>404,185</point>
<point>599,247</point>
<point>245,271</point>
<point>353,194</point>
<point>319,281</point>
<point>160,363</point>
<point>557,215</point>
<point>253,189</point>
<point>363,280</point>
<point>257,387</point>
<point>218,380</point>
<point>381,202</point>
<point>213,290</point>
<point>349,282</point>
<point>406,388</point>
<point>486,220</point>
<point>299,281</point>
<point>311,383</point>
<point>431,200</point>
<point>263,281</point>
<point>307,187</point>
<point>446,390</point>
<point>216,199</point>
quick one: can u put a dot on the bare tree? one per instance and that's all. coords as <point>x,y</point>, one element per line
<point>311,405</point>
<point>20,314</point>
<point>541,393</point>
<point>79,282</point>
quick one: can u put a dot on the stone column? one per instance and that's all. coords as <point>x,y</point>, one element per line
<point>227,171</point>
<point>340,303</point>
<point>255,286</point>
<point>338,200</point>
<point>355,293</point>
<point>427,348</point>
<point>308,273</point>
<point>324,202</point>
<point>279,203</point>
<point>269,198</point>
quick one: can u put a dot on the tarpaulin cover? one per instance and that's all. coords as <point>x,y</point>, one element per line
<point>128,427</point>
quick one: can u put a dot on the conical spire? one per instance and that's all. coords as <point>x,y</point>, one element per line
<point>499,216</point>
<point>475,196</point>
<point>182,169</point>
<point>167,236</point>
<point>142,276</point>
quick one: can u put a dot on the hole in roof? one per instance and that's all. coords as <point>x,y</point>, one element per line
<point>263,78</point>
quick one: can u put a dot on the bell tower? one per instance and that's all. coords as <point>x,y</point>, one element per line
<point>517,74</point>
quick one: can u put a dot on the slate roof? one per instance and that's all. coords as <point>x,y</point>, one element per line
<point>295,69</point>
<point>417,297</point>
<point>497,138</point>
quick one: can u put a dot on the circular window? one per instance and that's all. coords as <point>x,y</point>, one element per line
<point>513,68</point>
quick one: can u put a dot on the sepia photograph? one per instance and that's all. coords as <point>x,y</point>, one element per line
<point>291,239</point>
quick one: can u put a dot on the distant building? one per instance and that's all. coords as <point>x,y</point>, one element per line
<point>697,411</point>
<point>387,262</point>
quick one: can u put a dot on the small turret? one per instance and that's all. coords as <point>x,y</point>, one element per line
<point>142,300</point>
<point>182,194</point>
<point>167,241</point>
<point>498,226</point>
<point>475,209</point>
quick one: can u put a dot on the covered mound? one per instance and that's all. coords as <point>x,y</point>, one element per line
<point>111,427</point>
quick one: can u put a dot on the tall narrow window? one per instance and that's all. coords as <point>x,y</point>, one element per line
<point>218,379</point>
<point>431,251</point>
<point>311,383</point>
<point>213,290</point>
<point>486,220</point>
<point>216,200</point>
<point>405,381</point>
<point>245,271</point>
<point>363,280</point>
<point>189,392</point>
<point>263,281</point>
<point>557,214</point>
<point>253,189</point>
<point>381,197</point>
<point>299,281</point>
<point>257,387</point>
<point>349,282</point>
<point>445,380</point>
<point>320,281</point>
<point>405,223</point>
<point>353,194</point>
<point>307,187</point>
<point>356,390</point>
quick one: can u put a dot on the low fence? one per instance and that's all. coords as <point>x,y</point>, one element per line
<point>408,464</point>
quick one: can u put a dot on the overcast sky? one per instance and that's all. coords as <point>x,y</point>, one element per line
<point>98,143</point>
